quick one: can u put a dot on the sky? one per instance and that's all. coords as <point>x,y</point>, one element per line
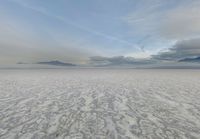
<point>81,31</point>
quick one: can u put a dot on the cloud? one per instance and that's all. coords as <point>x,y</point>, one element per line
<point>167,20</point>
<point>182,22</point>
<point>145,21</point>
<point>18,44</point>
<point>145,16</point>
<point>156,24</point>
<point>182,49</point>
<point>119,61</point>
<point>67,21</point>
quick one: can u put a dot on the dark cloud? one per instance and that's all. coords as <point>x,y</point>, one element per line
<point>118,60</point>
<point>182,49</point>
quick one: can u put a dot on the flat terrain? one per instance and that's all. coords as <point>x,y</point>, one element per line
<point>100,104</point>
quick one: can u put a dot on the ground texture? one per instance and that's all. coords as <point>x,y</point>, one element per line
<point>100,104</point>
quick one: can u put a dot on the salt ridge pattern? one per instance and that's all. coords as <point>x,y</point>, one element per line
<point>99,104</point>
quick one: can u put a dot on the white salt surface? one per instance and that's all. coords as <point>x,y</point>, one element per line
<point>99,104</point>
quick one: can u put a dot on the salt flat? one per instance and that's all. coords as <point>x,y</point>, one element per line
<point>100,104</point>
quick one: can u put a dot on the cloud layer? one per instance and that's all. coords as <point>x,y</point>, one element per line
<point>119,60</point>
<point>148,31</point>
<point>182,49</point>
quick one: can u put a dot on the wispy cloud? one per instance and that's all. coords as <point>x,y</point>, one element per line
<point>169,20</point>
<point>17,44</point>
<point>183,22</point>
<point>138,28</point>
<point>144,19</point>
<point>67,21</point>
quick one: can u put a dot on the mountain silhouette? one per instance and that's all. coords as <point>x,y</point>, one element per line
<point>56,63</point>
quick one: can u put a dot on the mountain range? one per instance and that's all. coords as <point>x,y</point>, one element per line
<point>56,63</point>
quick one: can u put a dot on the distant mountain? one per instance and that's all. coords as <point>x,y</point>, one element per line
<point>197,59</point>
<point>21,63</point>
<point>56,63</point>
